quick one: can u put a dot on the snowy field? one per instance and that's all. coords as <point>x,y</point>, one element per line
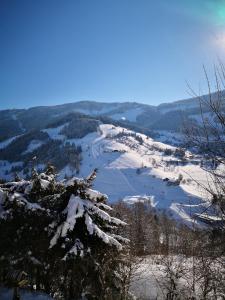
<point>7,294</point>
<point>133,167</point>
<point>130,171</point>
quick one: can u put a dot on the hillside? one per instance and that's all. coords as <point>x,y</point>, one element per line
<point>133,146</point>
<point>131,166</point>
<point>169,116</point>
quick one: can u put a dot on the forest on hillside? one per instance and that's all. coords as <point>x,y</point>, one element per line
<point>63,238</point>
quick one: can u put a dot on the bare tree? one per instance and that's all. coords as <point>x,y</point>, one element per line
<point>207,136</point>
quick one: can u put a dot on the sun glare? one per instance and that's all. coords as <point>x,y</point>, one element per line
<point>219,41</point>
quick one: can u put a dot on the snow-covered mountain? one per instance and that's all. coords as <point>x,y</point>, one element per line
<point>133,146</point>
<point>168,116</point>
<point>131,166</point>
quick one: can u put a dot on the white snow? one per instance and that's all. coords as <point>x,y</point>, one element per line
<point>6,294</point>
<point>144,199</point>
<point>152,277</point>
<point>130,114</point>
<point>54,133</point>
<point>77,208</point>
<point>95,195</point>
<point>33,145</point>
<point>78,247</point>
<point>68,170</point>
<point>131,171</point>
<point>7,142</point>
<point>20,200</point>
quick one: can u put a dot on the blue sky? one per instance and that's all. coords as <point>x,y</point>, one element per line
<point>55,51</point>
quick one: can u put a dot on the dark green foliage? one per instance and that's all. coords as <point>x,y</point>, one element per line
<point>77,125</point>
<point>67,262</point>
<point>56,153</point>
<point>136,136</point>
<point>172,120</point>
<point>149,116</point>
<point>179,153</point>
<point>9,125</point>
<point>63,119</point>
<point>80,127</point>
<point>130,125</point>
<point>36,118</point>
<point>14,150</point>
<point>18,121</point>
<point>168,151</point>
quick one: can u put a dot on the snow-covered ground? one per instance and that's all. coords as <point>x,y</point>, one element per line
<point>7,294</point>
<point>33,145</point>
<point>54,133</point>
<point>153,277</point>
<point>5,143</point>
<point>130,171</point>
<point>133,167</point>
<point>130,114</point>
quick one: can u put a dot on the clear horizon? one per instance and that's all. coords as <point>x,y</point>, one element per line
<point>76,101</point>
<point>55,52</point>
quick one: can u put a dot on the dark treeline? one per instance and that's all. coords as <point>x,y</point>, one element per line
<point>153,231</point>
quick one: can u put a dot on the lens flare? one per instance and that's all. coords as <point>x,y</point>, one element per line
<point>216,9</point>
<point>219,41</point>
<point>211,11</point>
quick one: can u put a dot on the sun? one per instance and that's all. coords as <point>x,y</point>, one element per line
<point>219,40</point>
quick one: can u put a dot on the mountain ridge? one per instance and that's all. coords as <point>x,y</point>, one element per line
<point>17,121</point>
<point>180,101</point>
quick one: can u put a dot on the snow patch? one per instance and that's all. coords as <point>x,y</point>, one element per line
<point>130,170</point>
<point>130,114</point>
<point>54,133</point>
<point>7,142</point>
<point>34,144</point>
<point>143,199</point>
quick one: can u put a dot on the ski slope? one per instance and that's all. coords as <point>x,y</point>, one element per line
<point>133,167</point>
<point>130,171</point>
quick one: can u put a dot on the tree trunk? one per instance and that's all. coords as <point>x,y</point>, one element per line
<point>16,295</point>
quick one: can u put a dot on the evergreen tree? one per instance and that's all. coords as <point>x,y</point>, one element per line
<point>62,235</point>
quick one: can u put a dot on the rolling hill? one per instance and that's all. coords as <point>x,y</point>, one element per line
<point>168,116</point>
<point>131,166</point>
